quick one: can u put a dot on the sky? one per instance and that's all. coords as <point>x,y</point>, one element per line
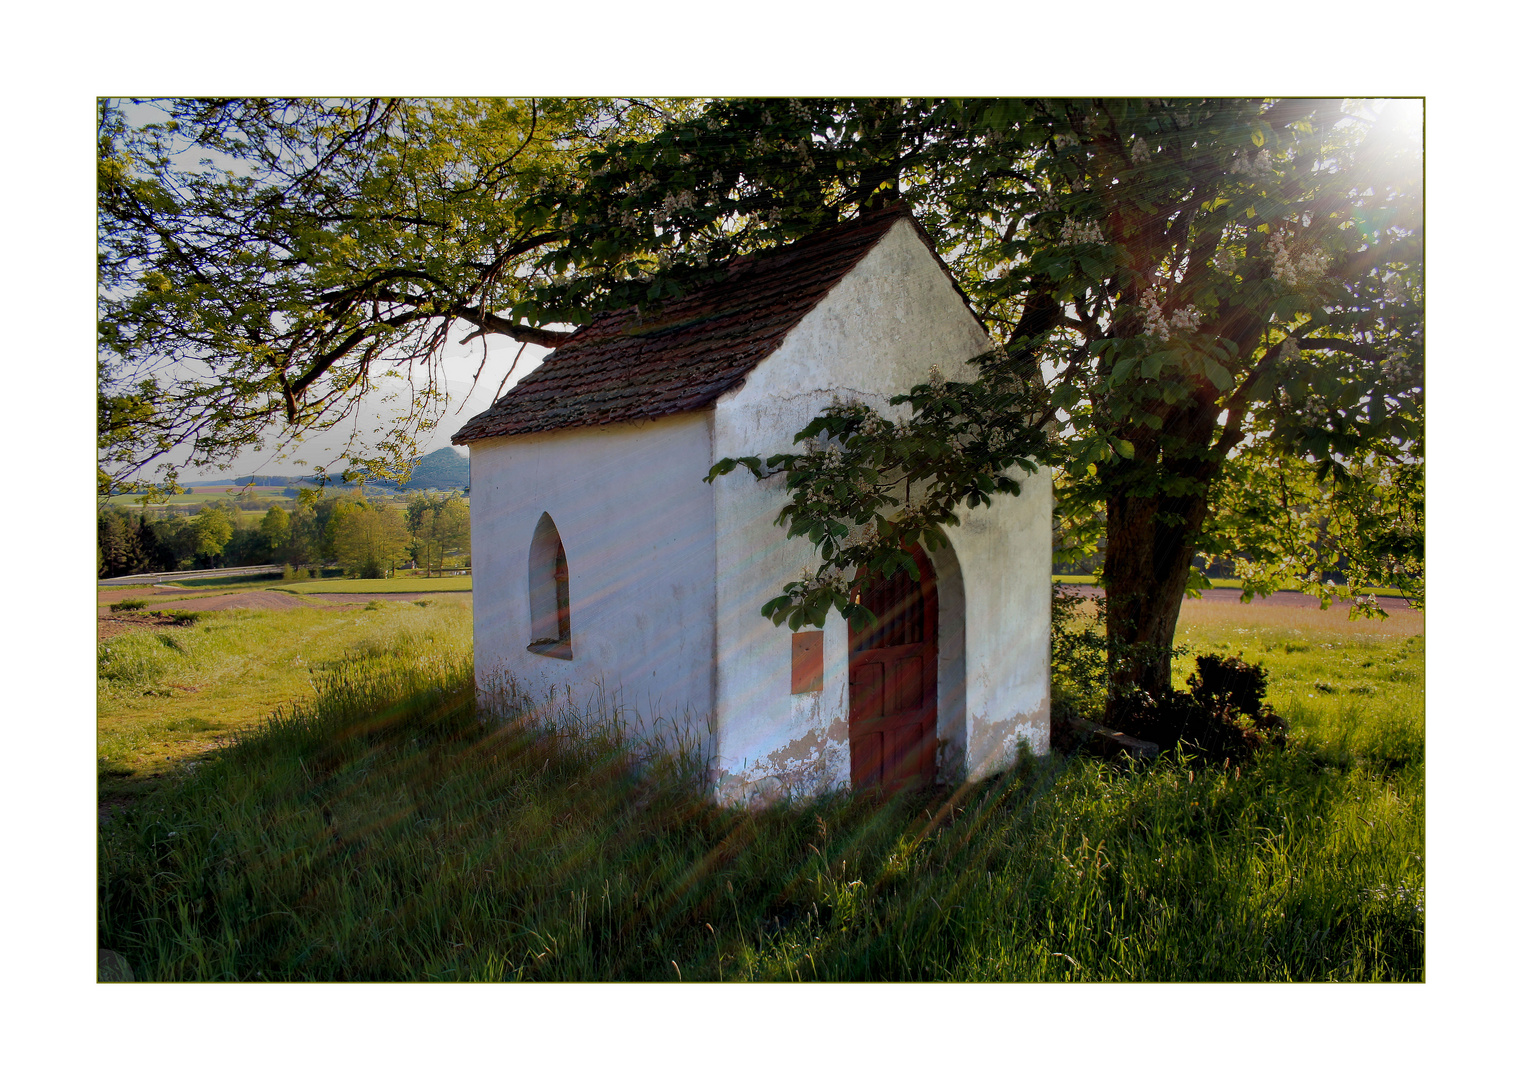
<point>474,374</point>
<point>459,366</point>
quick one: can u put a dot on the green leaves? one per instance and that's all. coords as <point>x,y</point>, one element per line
<point>290,250</point>
<point>865,489</point>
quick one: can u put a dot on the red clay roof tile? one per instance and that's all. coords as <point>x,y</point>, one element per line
<point>619,368</point>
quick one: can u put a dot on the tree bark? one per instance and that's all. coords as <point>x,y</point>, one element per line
<point>1151,543</point>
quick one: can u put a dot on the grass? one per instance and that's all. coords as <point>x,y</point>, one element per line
<point>379,829</point>
<point>455,583</point>
<point>173,695</point>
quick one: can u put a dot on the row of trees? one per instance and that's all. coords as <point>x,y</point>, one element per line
<point>128,543</point>
<point>1208,312</point>
<point>369,538</point>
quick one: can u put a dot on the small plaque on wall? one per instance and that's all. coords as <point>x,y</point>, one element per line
<point>808,661</point>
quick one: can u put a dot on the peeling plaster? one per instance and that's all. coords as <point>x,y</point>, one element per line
<point>812,764</point>
<point>995,745</point>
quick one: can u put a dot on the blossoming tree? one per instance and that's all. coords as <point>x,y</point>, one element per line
<point>1208,312</point>
<point>1200,305</point>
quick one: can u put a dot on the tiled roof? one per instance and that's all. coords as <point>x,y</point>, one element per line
<point>619,367</point>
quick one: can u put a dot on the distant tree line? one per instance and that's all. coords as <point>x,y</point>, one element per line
<point>368,537</point>
<point>443,470</point>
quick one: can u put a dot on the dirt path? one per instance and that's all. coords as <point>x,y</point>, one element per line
<point>1278,599</point>
<point>110,623</point>
<point>400,597</point>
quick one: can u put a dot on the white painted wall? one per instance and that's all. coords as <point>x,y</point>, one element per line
<point>1005,551</point>
<point>659,629</point>
<point>637,523</point>
<point>876,335</point>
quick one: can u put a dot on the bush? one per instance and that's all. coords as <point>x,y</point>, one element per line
<point>1220,716</point>
<point>1079,662</point>
<point>181,618</point>
<point>1229,682</point>
<point>129,605</point>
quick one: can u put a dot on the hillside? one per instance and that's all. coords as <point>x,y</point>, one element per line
<point>445,468</point>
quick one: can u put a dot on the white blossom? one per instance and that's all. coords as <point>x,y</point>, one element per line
<point>1063,141</point>
<point>863,534</point>
<point>1225,261</point>
<point>1153,319</point>
<point>1290,351</point>
<point>1398,369</point>
<point>1290,268</point>
<point>936,380</point>
<point>1313,264</point>
<point>1284,264</point>
<point>1186,319</point>
<point>827,577</point>
<point>1081,232</point>
<point>1139,151</point>
<point>1162,326</point>
<point>1256,168</point>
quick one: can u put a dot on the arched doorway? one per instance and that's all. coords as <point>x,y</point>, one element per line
<point>893,682</point>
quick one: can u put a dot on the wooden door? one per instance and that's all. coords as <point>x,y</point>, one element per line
<point>893,683</point>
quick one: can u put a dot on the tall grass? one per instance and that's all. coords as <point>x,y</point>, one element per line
<point>390,829</point>
<point>170,693</point>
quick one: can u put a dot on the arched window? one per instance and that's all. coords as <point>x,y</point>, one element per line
<point>549,593</point>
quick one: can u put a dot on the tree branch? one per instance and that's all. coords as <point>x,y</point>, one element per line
<point>495,324</point>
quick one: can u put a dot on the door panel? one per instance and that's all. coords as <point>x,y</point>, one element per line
<point>866,691</point>
<point>893,683</point>
<point>905,688</point>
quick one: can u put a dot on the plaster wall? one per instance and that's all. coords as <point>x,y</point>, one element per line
<point>876,335</point>
<point>1006,555</point>
<point>637,523</point>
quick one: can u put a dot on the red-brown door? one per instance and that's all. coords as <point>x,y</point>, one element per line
<point>893,688</point>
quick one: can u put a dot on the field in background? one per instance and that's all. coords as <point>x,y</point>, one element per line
<point>1216,583</point>
<point>398,584</point>
<point>199,496</point>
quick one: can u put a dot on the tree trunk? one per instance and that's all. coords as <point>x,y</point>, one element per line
<point>1149,548</point>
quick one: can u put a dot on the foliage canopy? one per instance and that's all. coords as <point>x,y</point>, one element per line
<point>1207,313</point>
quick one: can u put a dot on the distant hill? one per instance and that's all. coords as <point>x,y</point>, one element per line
<point>445,469</point>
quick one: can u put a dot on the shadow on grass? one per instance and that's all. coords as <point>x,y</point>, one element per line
<point>396,830</point>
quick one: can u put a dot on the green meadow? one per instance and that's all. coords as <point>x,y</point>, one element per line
<point>377,825</point>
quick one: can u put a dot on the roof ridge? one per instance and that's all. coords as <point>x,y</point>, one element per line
<point>612,370</point>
